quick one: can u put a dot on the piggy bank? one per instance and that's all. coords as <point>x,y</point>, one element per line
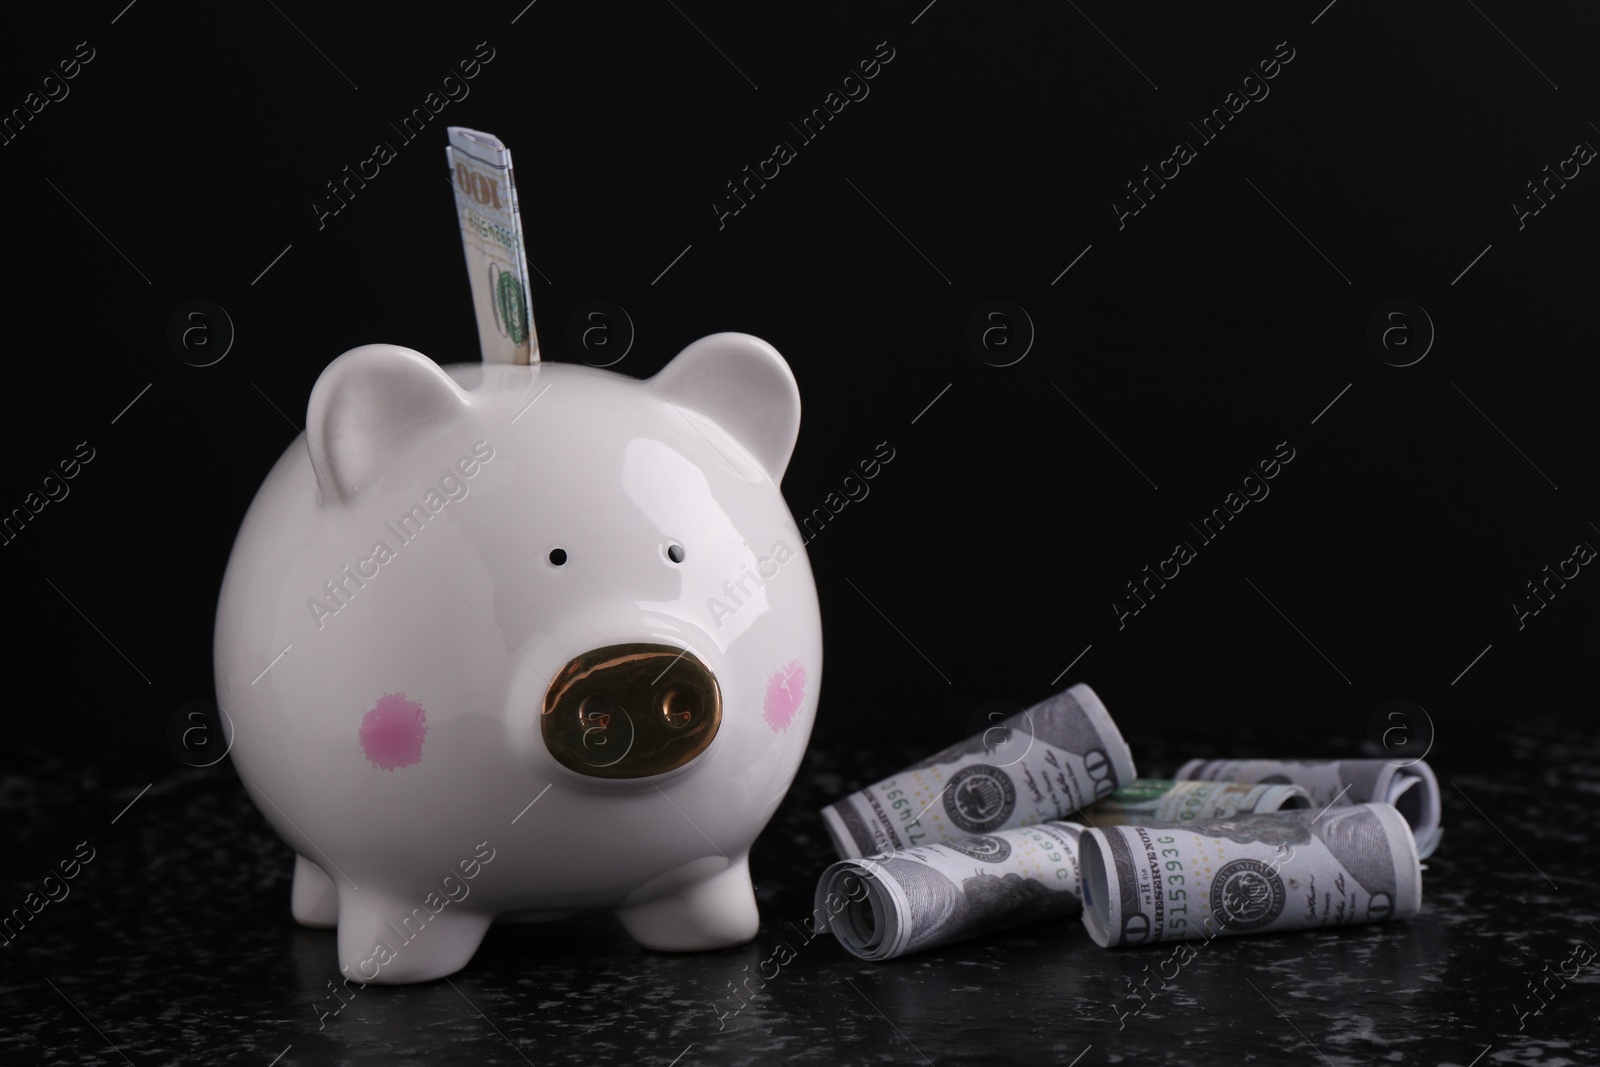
<point>516,641</point>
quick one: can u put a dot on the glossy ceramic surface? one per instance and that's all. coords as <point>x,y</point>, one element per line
<point>444,543</point>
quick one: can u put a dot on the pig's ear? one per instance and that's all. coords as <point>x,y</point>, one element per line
<point>361,403</point>
<point>742,384</point>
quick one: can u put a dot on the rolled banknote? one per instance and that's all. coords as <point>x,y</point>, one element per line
<point>1042,763</point>
<point>918,898</point>
<point>1146,799</point>
<point>1292,870</point>
<point>1410,787</point>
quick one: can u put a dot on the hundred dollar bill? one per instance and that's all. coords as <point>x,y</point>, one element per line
<point>491,236</point>
<point>1410,787</point>
<point>1042,763</point>
<point>932,895</point>
<point>1144,799</point>
<point>1293,870</point>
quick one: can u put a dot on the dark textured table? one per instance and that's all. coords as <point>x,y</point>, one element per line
<point>174,945</point>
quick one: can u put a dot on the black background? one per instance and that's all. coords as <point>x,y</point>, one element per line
<point>1197,337</point>
<point>1230,315</point>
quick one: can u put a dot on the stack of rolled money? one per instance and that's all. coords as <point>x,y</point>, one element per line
<point>1042,817</point>
<point>1410,786</point>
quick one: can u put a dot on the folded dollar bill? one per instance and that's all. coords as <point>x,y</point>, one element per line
<point>492,238</point>
<point>1292,870</point>
<point>918,898</point>
<point>1411,787</point>
<point>1144,799</point>
<point>1042,763</point>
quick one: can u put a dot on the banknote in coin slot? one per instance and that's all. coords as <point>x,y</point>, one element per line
<point>509,305</point>
<point>493,242</point>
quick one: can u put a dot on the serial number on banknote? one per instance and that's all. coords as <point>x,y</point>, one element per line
<point>1177,914</point>
<point>898,800</point>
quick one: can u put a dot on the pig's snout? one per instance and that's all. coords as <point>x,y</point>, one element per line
<point>631,711</point>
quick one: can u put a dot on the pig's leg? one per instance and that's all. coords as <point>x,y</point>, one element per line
<point>714,912</point>
<point>390,939</point>
<point>313,901</point>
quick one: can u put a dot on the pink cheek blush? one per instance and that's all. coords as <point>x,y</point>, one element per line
<point>786,689</point>
<point>392,732</point>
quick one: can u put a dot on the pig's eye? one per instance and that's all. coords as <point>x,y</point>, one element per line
<point>558,556</point>
<point>675,553</point>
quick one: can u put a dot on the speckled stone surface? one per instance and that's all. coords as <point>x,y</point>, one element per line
<point>175,945</point>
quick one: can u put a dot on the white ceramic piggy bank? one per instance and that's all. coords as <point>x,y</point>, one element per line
<point>514,641</point>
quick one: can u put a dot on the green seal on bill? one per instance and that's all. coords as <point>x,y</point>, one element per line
<point>1143,789</point>
<point>513,308</point>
